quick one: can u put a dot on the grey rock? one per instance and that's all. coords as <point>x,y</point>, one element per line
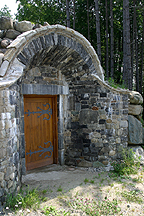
<point>85,163</point>
<point>135,97</point>
<point>37,25</point>
<point>12,34</point>
<point>1,192</point>
<point>88,116</point>
<point>5,42</point>
<point>139,153</point>
<point>1,57</point>
<point>1,176</point>
<point>6,23</point>
<point>2,50</point>
<point>3,68</point>
<point>23,26</point>
<point>135,130</point>
<point>112,153</point>
<point>134,109</point>
<point>1,33</point>
<point>97,164</point>
<point>46,23</point>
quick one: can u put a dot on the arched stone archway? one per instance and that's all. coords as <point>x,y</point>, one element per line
<point>56,45</point>
<point>92,116</point>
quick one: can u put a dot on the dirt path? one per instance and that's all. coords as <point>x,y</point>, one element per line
<point>62,185</point>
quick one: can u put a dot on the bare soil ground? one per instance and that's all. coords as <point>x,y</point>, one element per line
<point>63,184</point>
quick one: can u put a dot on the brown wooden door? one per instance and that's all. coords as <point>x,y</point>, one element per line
<point>40,126</point>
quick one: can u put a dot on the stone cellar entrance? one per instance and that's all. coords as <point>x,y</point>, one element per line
<point>55,105</point>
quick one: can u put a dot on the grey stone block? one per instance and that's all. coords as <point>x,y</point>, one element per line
<point>88,117</point>
<point>43,89</point>
<point>60,141</point>
<point>78,107</point>
<point>135,131</point>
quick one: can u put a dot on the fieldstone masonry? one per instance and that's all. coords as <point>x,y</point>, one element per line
<point>55,60</point>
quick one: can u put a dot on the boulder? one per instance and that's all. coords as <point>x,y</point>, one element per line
<point>2,33</point>
<point>139,153</point>
<point>12,34</point>
<point>23,26</point>
<point>6,23</point>
<point>37,25</point>
<point>45,24</point>
<point>1,57</point>
<point>85,163</point>
<point>2,50</point>
<point>135,97</point>
<point>97,164</point>
<point>135,109</point>
<point>135,131</point>
<point>5,42</point>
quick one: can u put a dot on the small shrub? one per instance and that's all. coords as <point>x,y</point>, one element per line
<point>86,180</point>
<point>128,164</point>
<point>51,210</point>
<point>59,189</point>
<point>25,199</point>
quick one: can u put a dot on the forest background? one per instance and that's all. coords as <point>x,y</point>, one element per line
<point>114,28</point>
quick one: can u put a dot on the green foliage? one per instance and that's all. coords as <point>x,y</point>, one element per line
<point>132,196</point>
<point>95,207</point>
<point>128,164</point>
<point>5,11</point>
<point>86,180</point>
<point>59,189</point>
<point>37,11</point>
<point>25,199</point>
<point>116,85</point>
<point>51,210</point>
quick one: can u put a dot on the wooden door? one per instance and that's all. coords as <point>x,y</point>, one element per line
<point>40,126</point>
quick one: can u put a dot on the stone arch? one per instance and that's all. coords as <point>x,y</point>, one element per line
<point>92,115</point>
<point>58,45</point>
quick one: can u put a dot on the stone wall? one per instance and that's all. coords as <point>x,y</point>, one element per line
<point>55,60</point>
<point>10,142</point>
<point>97,123</point>
<point>135,126</point>
<point>95,118</point>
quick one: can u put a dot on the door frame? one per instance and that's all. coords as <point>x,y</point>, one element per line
<point>54,124</point>
<point>38,89</point>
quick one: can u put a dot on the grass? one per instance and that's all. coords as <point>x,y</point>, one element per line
<point>59,189</point>
<point>25,199</point>
<point>86,180</point>
<point>94,206</point>
<point>132,196</point>
<point>51,210</point>
<point>92,198</point>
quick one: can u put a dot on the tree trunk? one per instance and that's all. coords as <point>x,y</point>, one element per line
<point>68,13</point>
<point>141,70</point>
<point>107,56</point>
<point>88,20</point>
<point>126,46</point>
<point>98,30</point>
<point>112,40</point>
<point>74,14</point>
<point>136,47</point>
